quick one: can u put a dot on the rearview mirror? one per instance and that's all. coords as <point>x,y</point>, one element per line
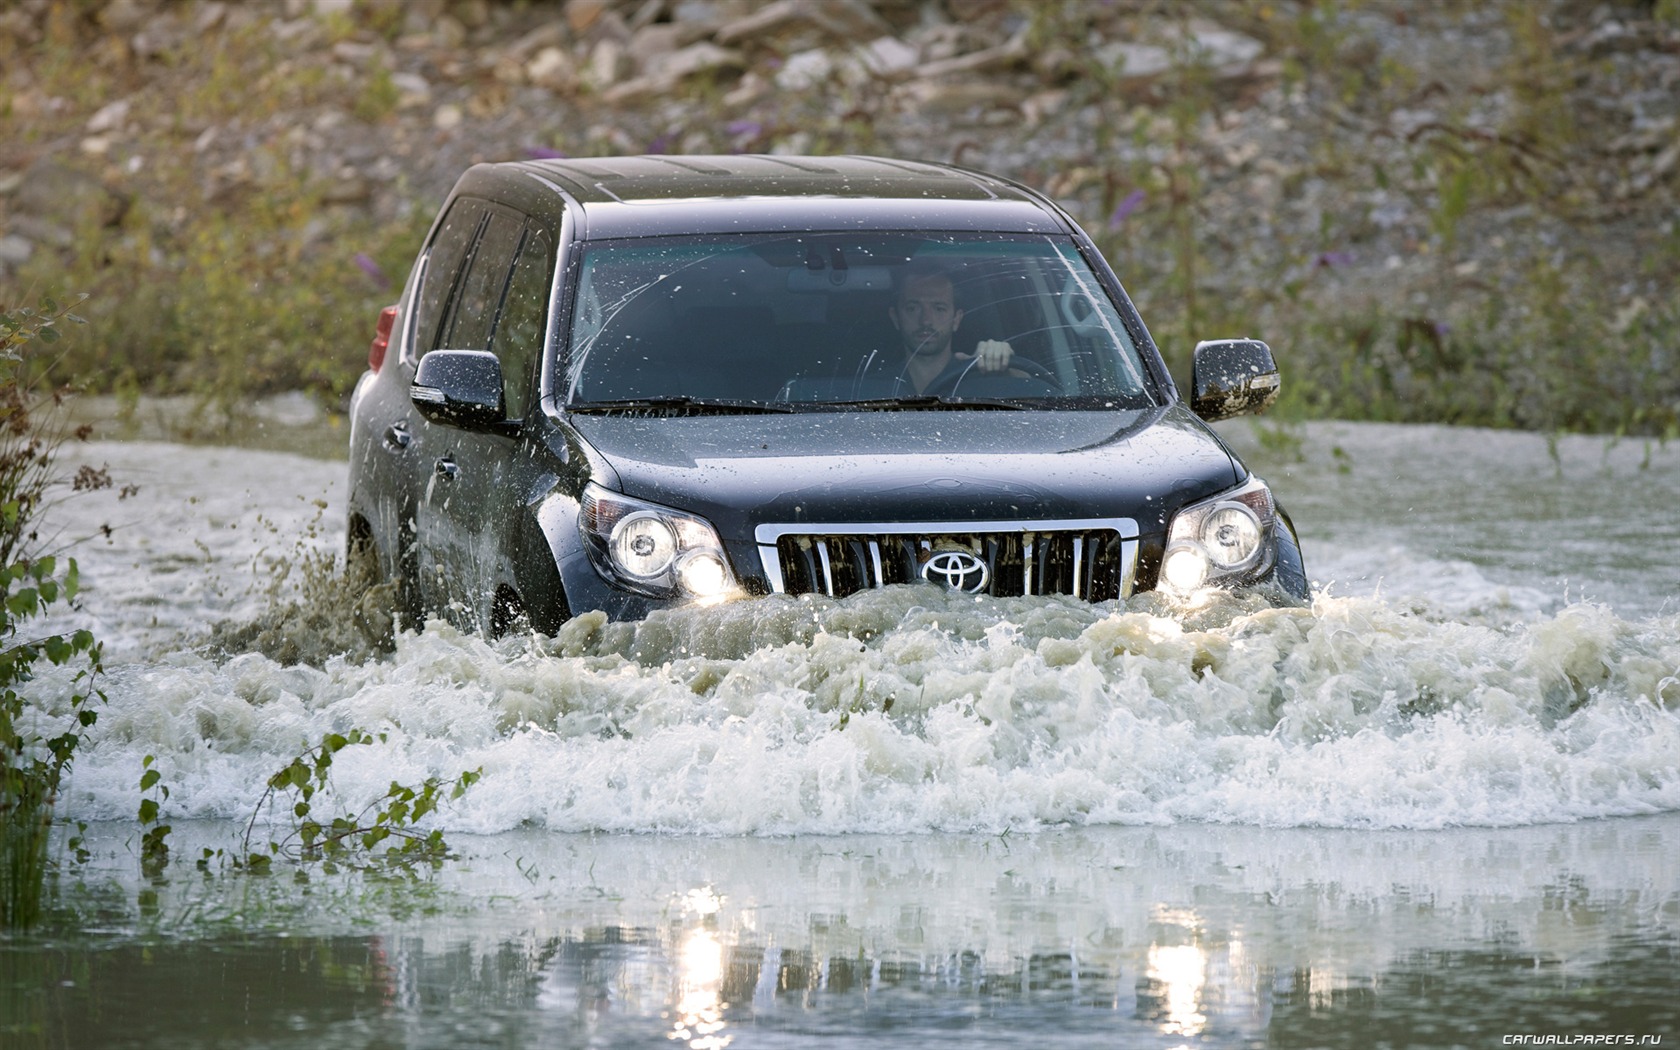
<point>1232,377</point>
<point>460,388</point>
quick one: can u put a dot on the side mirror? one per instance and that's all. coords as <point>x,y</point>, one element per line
<point>1232,377</point>
<point>461,388</point>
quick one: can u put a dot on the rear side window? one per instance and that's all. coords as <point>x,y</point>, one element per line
<point>443,267</point>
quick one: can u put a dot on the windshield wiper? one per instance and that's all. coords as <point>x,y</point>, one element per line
<point>680,405</point>
<point>917,401</point>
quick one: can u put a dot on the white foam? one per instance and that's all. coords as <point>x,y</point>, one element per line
<point>833,720</point>
<point>1445,697</point>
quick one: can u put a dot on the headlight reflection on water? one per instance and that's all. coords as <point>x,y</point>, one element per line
<point>699,1022</point>
<point>1177,974</point>
<point>701,962</point>
<point>1181,973</point>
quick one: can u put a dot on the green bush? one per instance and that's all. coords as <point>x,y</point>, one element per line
<point>36,746</point>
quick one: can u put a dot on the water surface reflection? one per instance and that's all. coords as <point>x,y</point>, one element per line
<point>1185,936</point>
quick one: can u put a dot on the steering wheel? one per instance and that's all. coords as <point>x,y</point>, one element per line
<point>1034,371</point>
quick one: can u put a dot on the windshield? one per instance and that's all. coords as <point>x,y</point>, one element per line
<point>783,322</point>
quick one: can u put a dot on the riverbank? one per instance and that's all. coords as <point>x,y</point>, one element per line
<point>1435,212</point>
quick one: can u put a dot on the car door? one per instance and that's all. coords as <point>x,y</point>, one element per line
<point>394,469</point>
<point>470,514</point>
<point>450,511</point>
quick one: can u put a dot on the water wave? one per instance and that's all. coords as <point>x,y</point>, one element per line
<point>911,710</point>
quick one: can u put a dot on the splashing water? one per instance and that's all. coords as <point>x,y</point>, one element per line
<point>902,710</point>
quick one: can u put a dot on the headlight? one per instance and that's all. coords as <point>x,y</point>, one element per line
<point>652,549</point>
<point>1224,541</point>
<point>642,545</point>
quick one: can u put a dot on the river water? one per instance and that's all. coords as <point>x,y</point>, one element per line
<point>1440,808</point>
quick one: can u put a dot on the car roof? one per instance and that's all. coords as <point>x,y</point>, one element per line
<point>647,196</point>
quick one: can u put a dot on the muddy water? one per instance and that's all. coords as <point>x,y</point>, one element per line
<point>1436,809</point>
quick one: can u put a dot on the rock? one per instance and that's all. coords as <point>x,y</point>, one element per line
<point>552,68</point>
<point>447,117</point>
<point>549,34</point>
<point>63,200</point>
<point>210,16</point>
<point>15,250</point>
<point>163,34</point>
<point>805,70</point>
<point>664,38</point>
<point>1134,61</point>
<point>412,90</point>
<point>992,59</point>
<point>19,26</point>
<point>449,34</point>
<point>349,187</point>
<point>1223,52</point>
<point>581,14</point>
<point>843,19</point>
<point>1226,52</point>
<point>353,53</point>
<point>667,71</point>
<point>949,98</point>
<point>125,17</point>
<point>699,58</point>
<point>474,14</point>
<point>609,63</point>
<point>889,57</point>
<point>110,117</point>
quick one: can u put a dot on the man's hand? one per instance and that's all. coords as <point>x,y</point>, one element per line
<point>992,355</point>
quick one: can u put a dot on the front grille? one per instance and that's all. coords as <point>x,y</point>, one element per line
<point>1091,559</point>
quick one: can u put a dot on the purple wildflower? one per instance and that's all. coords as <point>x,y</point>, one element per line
<point>543,153</point>
<point>1331,260</point>
<point>365,263</point>
<point>1131,203</point>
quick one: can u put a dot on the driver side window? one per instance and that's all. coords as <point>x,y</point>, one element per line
<point>443,268</point>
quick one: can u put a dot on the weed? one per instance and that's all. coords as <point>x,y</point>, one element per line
<point>37,744</point>
<point>352,839</point>
<point>154,840</point>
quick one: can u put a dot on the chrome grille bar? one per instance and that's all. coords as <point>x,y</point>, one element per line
<point>1078,565</point>
<point>827,568</point>
<point>1092,559</point>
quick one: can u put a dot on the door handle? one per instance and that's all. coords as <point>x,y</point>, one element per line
<point>397,437</point>
<point>446,469</point>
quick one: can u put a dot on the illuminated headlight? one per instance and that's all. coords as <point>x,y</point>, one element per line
<point>1224,541</point>
<point>642,545</point>
<point>652,549</point>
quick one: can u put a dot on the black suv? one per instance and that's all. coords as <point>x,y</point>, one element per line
<point>625,384</point>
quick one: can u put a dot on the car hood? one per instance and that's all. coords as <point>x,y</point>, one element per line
<point>973,465</point>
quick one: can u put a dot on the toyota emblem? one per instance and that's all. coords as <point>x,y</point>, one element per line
<point>958,570</point>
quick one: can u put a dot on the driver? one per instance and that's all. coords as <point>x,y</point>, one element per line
<point>926,316</point>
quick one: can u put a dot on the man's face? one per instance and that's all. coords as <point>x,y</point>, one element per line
<point>926,314</point>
